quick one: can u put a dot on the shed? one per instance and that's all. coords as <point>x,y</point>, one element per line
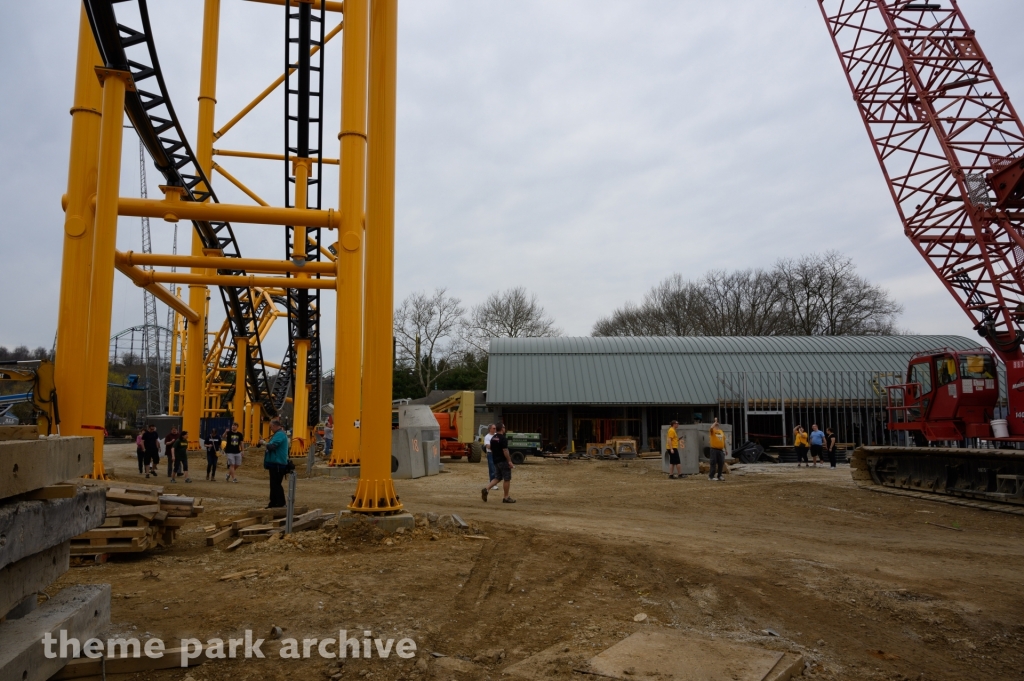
<point>592,388</point>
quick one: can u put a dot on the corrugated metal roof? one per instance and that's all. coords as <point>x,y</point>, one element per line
<point>679,370</point>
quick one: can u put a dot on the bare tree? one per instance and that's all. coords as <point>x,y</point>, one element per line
<point>824,296</point>
<point>815,295</point>
<point>428,335</point>
<point>514,313</point>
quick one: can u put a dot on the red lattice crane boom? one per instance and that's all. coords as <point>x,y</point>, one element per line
<point>951,147</point>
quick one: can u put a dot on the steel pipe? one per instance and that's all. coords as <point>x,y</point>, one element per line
<point>146,277</point>
<point>217,263</point>
<point>172,211</point>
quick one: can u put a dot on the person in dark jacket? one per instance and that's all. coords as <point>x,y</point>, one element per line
<point>150,440</point>
<point>830,447</point>
<point>180,458</point>
<point>276,462</point>
<point>169,442</point>
<point>212,453</point>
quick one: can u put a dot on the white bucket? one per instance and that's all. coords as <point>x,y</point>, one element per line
<point>999,428</point>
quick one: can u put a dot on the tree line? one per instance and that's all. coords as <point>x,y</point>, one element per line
<point>815,295</point>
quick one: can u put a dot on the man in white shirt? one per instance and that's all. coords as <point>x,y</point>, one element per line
<point>492,470</point>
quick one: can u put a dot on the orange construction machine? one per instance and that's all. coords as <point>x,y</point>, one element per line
<point>455,417</point>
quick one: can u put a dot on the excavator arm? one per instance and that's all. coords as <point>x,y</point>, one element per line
<point>44,392</point>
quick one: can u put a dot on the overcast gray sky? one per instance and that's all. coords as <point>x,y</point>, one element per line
<point>583,149</point>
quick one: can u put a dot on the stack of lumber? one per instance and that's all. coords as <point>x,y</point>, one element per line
<point>139,517</point>
<point>261,524</point>
<point>39,514</point>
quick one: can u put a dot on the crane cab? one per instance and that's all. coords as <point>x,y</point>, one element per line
<point>949,395</point>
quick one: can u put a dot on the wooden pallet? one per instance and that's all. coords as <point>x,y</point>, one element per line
<point>139,517</point>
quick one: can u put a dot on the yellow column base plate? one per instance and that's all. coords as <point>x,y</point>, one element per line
<point>377,497</point>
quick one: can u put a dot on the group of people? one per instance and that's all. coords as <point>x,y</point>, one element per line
<point>499,462</point>
<point>148,445</point>
<point>175,446</point>
<point>820,444</point>
<point>716,457</point>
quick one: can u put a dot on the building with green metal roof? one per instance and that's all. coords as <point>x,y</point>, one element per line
<point>594,387</point>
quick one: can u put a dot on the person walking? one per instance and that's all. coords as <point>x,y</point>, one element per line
<point>675,464</point>
<point>151,445</point>
<point>212,453</point>
<point>817,444</point>
<point>503,465</point>
<point>140,450</point>
<point>830,447</point>
<point>233,450</point>
<point>180,458</point>
<point>717,455</point>
<point>800,445</point>
<point>492,471</point>
<point>329,435</point>
<point>169,442</point>
<point>275,460</point>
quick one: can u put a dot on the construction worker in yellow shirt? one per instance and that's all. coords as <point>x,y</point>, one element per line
<point>675,466</point>
<point>717,452</point>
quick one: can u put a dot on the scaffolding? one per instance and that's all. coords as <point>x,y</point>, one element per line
<point>765,406</point>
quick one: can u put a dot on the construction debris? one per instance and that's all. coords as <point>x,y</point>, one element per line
<point>39,514</point>
<point>262,524</point>
<point>139,517</point>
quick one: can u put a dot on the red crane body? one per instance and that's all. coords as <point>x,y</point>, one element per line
<point>951,147</point>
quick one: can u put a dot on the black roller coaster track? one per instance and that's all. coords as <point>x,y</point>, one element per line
<point>150,110</point>
<point>303,137</point>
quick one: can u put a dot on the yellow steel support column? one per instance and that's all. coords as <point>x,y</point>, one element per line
<point>376,491</point>
<point>76,266</point>
<point>101,286</point>
<point>300,404</point>
<point>349,277</point>
<point>250,410</point>
<point>194,342</point>
<point>241,393</point>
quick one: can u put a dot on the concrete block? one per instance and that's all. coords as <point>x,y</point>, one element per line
<point>28,527</point>
<point>388,523</point>
<point>338,471</point>
<point>83,611</point>
<point>27,465</point>
<point>32,574</point>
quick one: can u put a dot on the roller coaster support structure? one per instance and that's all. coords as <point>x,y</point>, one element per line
<point>376,492</point>
<point>195,339</point>
<point>133,83</point>
<point>349,262</point>
<point>73,316</point>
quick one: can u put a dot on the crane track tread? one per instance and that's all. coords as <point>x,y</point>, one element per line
<point>983,505</point>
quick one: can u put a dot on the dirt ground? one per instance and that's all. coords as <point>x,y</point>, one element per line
<point>864,585</point>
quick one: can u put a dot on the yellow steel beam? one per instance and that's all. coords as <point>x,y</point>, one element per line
<point>241,359</point>
<point>172,211</point>
<point>76,263</point>
<point>301,169</point>
<point>265,156</point>
<point>300,405</point>
<point>375,492</point>
<point>348,356</point>
<point>145,277</point>
<point>270,88</point>
<point>195,341</point>
<point>211,262</point>
<point>101,287</point>
<point>173,302</point>
<point>235,181</point>
<point>329,5</point>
